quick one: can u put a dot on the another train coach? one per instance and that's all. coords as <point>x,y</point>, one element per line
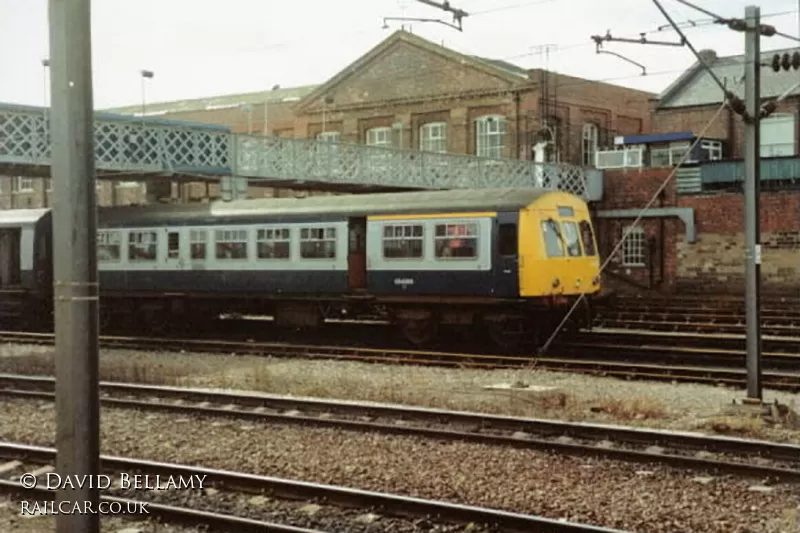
<point>508,260</point>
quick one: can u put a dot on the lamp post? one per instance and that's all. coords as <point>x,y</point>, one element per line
<point>146,75</point>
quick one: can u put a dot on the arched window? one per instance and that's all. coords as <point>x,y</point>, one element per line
<point>490,136</point>
<point>590,136</point>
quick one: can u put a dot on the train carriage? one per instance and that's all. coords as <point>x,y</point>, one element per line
<point>510,260</point>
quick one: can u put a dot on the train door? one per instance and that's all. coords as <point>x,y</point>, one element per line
<point>9,257</point>
<point>357,253</point>
<point>505,256</point>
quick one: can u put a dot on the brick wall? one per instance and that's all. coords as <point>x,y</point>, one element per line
<point>715,261</point>
<point>729,126</point>
<point>631,190</point>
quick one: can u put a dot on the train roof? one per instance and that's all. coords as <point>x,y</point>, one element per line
<point>341,205</point>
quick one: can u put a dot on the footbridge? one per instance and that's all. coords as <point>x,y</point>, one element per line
<point>133,148</point>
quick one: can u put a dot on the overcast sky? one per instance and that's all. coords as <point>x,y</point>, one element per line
<point>209,47</point>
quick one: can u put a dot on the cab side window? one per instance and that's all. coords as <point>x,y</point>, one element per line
<point>552,238</point>
<point>587,236</point>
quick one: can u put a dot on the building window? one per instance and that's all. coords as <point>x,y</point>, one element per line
<point>197,244</point>
<point>402,241</point>
<point>713,150</point>
<point>231,243</point>
<point>456,241</point>
<point>318,243</point>
<point>490,136</point>
<point>379,137</point>
<point>553,240</point>
<point>677,151</point>
<point>273,243</point>
<point>142,245</point>
<point>633,247</point>
<point>329,136</point>
<point>22,184</point>
<point>433,137</point>
<point>778,135</point>
<point>587,236</point>
<point>108,246</point>
<point>590,139</point>
<point>669,156</point>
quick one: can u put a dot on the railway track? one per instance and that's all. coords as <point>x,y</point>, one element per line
<point>693,322</point>
<point>339,508</point>
<point>685,450</point>
<point>611,356</point>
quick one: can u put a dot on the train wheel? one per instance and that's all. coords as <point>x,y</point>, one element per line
<point>419,331</point>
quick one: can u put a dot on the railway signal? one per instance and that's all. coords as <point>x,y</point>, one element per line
<point>786,61</point>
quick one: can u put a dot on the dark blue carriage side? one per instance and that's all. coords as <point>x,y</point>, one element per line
<point>440,278</point>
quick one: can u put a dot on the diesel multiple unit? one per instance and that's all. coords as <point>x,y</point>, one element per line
<point>510,261</point>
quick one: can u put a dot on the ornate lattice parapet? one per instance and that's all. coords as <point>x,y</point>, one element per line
<point>121,143</point>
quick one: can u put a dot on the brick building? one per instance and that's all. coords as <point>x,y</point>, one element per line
<point>696,242</point>
<point>411,93</point>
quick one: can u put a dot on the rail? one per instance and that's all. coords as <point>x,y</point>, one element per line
<point>635,444</point>
<point>390,504</point>
<point>607,354</point>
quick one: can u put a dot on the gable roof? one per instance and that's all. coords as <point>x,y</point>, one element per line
<point>696,86</point>
<point>499,69</point>
<point>280,95</point>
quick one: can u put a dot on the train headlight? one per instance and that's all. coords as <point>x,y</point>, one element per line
<point>577,282</point>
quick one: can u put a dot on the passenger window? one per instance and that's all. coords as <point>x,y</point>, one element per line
<point>587,237</point>
<point>318,243</point>
<point>403,241</point>
<point>571,238</point>
<point>173,245</point>
<point>273,243</point>
<point>142,245</point>
<point>231,244</point>
<point>508,239</point>
<point>552,238</point>
<point>197,240</point>
<point>456,241</point>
